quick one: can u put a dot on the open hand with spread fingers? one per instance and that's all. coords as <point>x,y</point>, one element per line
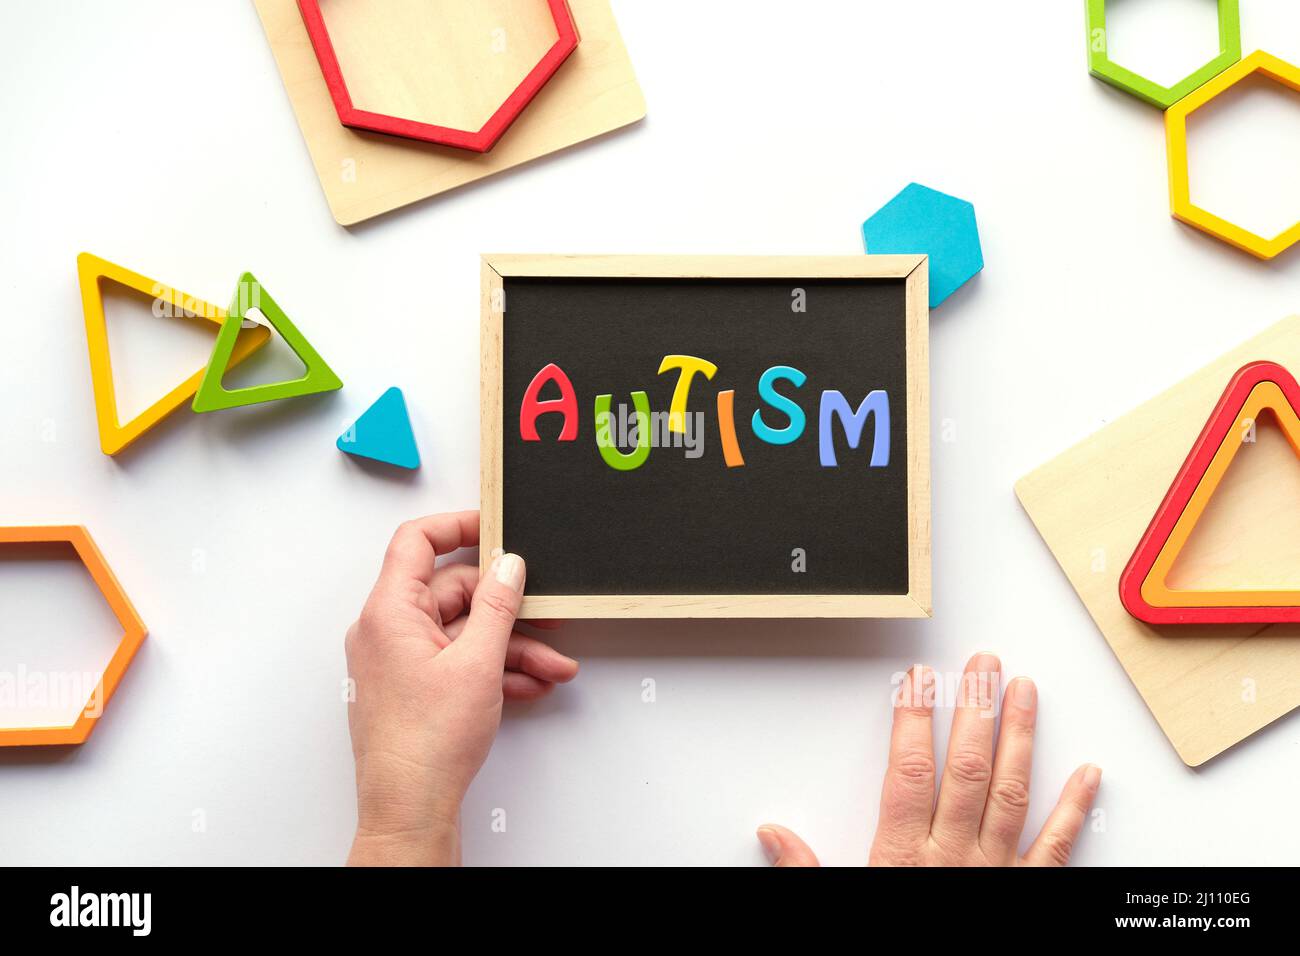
<point>983,796</point>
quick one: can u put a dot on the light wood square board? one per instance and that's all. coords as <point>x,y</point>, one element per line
<point>366,174</point>
<point>1208,686</point>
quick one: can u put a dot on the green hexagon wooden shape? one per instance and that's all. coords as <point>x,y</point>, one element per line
<point>213,396</point>
<point>1103,68</point>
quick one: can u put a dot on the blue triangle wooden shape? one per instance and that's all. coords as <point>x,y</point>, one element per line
<point>383,433</point>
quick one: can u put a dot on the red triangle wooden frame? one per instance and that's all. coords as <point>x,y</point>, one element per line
<point>1223,420</point>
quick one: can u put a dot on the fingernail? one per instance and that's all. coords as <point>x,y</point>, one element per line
<point>1092,777</point>
<point>917,689</point>
<point>980,683</point>
<point>771,844</point>
<point>1024,693</point>
<point>509,570</point>
<point>497,552</point>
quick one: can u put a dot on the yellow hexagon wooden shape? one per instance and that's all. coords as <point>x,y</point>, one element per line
<point>1180,198</point>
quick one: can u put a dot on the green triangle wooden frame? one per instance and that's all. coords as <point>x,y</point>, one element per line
<point>212,396</point>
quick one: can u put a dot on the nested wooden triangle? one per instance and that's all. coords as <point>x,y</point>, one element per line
<point>1256,389</point>
<point>91,272</point>
<point>213,396</point>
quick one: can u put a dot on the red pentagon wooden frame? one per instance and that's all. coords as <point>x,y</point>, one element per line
<point>479,141</point>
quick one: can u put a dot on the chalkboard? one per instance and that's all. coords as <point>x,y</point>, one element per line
<point>778,462</point>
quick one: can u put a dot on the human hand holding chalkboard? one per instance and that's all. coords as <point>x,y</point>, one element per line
<point>430,659</point>
<point>983,799</point>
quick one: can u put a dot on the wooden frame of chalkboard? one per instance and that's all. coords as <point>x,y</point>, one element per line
<point>905,276</point>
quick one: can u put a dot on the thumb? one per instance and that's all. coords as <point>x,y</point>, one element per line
<point>494,607</point>
<point>783,848</point>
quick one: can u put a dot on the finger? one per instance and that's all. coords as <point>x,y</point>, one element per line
<point>528,655</point>
<point>783,848</point>
<point>494,608</point>
<point>413,552</point>
<point>453,588</point>
<point>531,656</point>
<point>1056,841</point>
<point>907,796</point>
<point>968,767</point>
<point>1004,816</point>
<point>516,686</point>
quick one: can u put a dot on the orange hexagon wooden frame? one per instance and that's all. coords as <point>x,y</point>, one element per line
<point>133,633</point>
<point>479,141</point>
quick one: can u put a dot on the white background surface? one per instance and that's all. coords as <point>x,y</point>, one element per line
<point>157,134</point>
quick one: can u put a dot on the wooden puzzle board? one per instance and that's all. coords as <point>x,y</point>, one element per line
<point>1208,686</point>
<point>367,174</point>
<point>456,84</point>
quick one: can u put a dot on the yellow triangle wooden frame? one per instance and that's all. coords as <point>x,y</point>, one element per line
<point>91,271</point>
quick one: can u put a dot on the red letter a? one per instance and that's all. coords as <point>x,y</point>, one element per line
<point>566,405</point>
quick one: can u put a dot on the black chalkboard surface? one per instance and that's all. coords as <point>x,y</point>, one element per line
<point>779,465</point>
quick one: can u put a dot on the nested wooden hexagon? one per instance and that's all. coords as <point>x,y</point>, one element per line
<point>1104,68</point>
<point>1180,190</point>
<point>495,50</point>
<point>133,633</point>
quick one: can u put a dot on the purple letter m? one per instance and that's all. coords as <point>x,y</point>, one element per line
<point>833,403</point>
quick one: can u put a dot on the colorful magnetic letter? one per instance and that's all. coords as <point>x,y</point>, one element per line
<point>1256,388</point>
<point>91,270</point>
<point>924,221</point>
<point>1180,190</point>
<point>834,404</point>
<point>689,365</point>
<point>727,428</point>
<point>480,140</point>
<point>133,634</point>
<point>383,433</point>
<point>212,396</point>
<point>768,393</point>
<point>1103,68</point>
<point>605,438</point>
<point>533,407</point>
